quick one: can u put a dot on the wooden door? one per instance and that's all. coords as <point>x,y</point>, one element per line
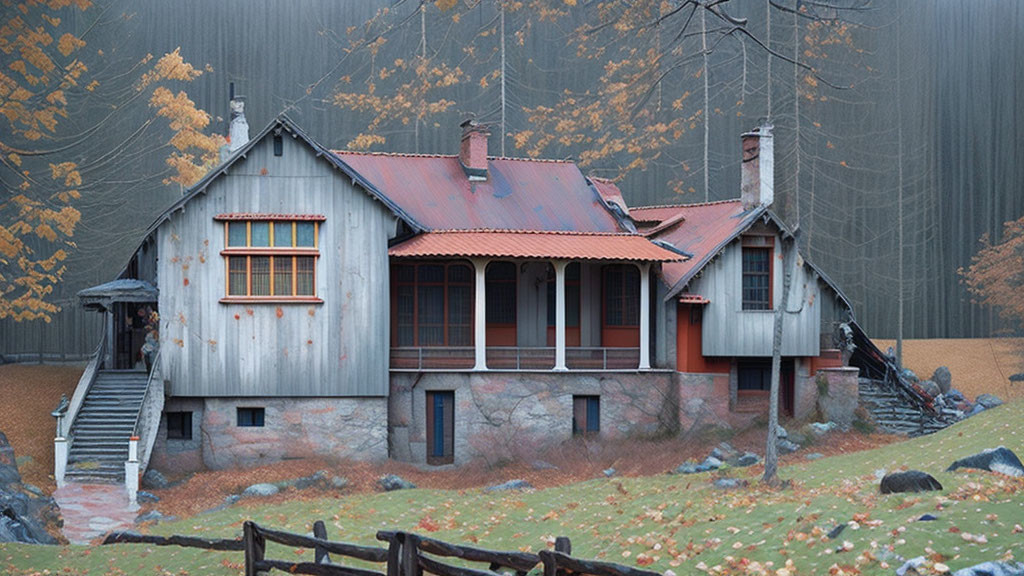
<point>440,427</point>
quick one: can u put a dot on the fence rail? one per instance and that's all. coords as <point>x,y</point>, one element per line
<point>406,554</point>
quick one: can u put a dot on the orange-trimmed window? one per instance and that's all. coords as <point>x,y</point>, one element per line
<point>270,258</point>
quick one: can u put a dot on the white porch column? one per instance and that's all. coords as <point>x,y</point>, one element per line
<point>645,316</point>
<point>560,266</point>
<point>131,473</point>
<point>480,315</point>
<point>60,459</point>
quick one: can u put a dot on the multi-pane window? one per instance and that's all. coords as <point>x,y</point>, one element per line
<point>621,295</point>
<point>271,258</point>
<point>433,304</point>
<point>251,417</point>
<point>179,425</point>
<point>501,293</point>
<point>586,415</point>
<point>757,273</point>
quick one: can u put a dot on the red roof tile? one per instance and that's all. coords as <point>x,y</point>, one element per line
<point>532,244</point>
<point>518,194</point>
<point>700,229</point>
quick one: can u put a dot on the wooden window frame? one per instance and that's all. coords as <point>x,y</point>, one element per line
<point>256,422</point>
<point>765,244</point>
<point>445,285</point>
<point>447,426</point>
<point>623,296</point>
<point>292,252</point>
<point>581,423</point>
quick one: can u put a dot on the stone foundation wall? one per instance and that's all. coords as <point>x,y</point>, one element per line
<point>840,395</point>
<point>342,428</point>
<point>509,415</point>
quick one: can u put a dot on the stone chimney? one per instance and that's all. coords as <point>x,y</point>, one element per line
<point>757,179</point>
<point>238,130</point>
<point>473,152</point>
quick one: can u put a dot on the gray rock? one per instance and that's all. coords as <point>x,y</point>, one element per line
<point>724,451</point>
<point>910,567</point>
<point>822,428</point>
<point>786,447</point>
<point>797,438</point>
<point>780,432</point>
<point>688,467</point>
<point>993,569</point>
<point>24,513</point>
<point>930,388</point>
<point>814,456</point>
<point>943,378</point>
<point>927,518</point>
<point>909,375</point>
<point>909,481</point>
<point>154,479</point>
<point>510,485</point>
<point>1018,377</point>
<point>146,497</point>
<point>260,490</point>
<point>835,532</point>
<point>727,483</point>
<point>1001,460</point>
<point>710,463</point>
<point>318,478</point>
<point>34,490</point>
<point>231,499</point>
<point>609,472</point>
<point>339,482</point>
<point>392,482</point>
<point>153,516</point>
<point>988,400</point>
<point>542,465</point>
<point>746,459</point>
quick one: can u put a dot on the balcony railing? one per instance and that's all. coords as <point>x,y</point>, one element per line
<point>462,358</point>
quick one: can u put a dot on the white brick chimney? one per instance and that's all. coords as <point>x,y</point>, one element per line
<point>757,180</point>
<point>238,131</point>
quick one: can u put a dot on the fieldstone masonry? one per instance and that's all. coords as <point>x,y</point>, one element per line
<point>512,415</point>
<point>839,395</point>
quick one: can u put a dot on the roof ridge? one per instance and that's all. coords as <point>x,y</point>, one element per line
<point>694,205</point>
<point>538,232</point>
<point>424,155</point>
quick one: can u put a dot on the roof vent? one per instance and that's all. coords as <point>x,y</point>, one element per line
<point>757,178</point>
<point>473,152</point>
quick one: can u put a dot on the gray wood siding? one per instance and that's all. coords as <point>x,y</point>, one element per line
<point>728,330</point>
<point>338,348</point>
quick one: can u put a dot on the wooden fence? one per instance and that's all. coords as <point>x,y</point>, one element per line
<point>407,554</point>
<point>71,335</point>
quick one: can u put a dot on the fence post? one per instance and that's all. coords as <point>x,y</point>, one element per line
<point>394,556</point>
<point>320,531</point>
<point>255,547</point>
<point>410,554</point>
<point>563,545</point>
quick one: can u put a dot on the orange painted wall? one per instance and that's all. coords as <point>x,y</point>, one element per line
<point>688,346</point>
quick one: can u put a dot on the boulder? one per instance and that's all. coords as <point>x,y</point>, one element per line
<point>153,516</point>
<point>318,478</point>
<point>909,481</point>
<point>608,472</point>
<point>710,463</point>
<point>392,482</point>
<point>814,456</point>
<point>780,432</point>
<point>909,375</point>
<point>993,569</point>
<point>260,490</point>
<point>510,485</point>
<point>929,388</point>
<point>821,428</point>
<point>1018,377</point>
<point>24,514</point>
<point>797,438</point>
<point>724,451</point>
<point>910,567</point>
<point>146,497</point>
<point>988,401</point>
<point>927,518</point>
<point>786,447</point>
<point>688,467</point>
<point>153,479</point>
<point>729,483</point>
<point>836,531</point>
<point>1001,460</point>
<point>744,460</point>
<point>339,482</point>
<point>943,378</point>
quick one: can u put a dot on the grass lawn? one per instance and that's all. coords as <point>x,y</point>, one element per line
<point>661,522</point>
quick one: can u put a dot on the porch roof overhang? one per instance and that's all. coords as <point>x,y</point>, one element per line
<point>533,245</point>
<point>688,298</point>
<point>122,290</point>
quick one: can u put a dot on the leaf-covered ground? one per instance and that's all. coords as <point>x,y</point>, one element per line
<point>678,523</point>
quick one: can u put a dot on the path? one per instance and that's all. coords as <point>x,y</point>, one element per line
<point>92,510</point>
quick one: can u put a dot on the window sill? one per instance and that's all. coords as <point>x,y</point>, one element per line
<point>267,251</point>
<point>271,300</point>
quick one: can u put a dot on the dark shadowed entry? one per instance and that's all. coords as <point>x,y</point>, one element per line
<point>440,427</point>
<point>754,382</point>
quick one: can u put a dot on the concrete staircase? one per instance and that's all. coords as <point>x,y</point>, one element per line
<point>100,432</point>
<point>893,412</point>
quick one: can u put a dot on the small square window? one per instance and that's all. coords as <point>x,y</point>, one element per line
<point>250,417</point>
<point>586,415</point>
<point>179,425</point>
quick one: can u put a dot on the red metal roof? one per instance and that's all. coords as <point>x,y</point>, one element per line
<point>700,229</point>
<point>693,299</point>
<point>610,192</point>
<point>518,194</point>
<point>532,244</point>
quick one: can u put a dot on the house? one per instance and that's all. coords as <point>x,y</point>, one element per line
<point>428,308</point>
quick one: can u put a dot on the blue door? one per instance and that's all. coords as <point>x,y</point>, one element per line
<point>440,427</point>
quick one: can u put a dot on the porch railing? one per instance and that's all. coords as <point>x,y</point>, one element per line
<point>462,358</point>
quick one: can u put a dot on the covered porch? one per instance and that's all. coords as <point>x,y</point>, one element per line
<point>518,301</point>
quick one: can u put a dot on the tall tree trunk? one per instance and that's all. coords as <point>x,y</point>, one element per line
<point>771,453</point>
<point>707,108</point>
<point>899,200</point>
